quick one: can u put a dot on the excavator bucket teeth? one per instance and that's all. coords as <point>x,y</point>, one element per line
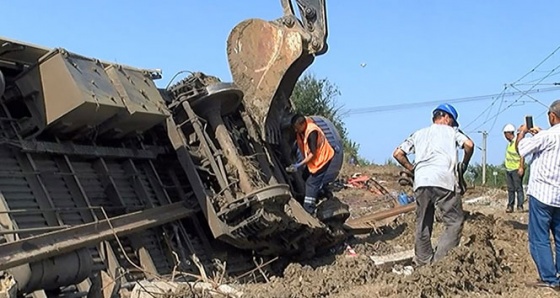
<point>265,60</point>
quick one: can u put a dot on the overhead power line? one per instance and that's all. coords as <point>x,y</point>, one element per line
<point>538,65</point>
<point>404,106</point>
<point>538,81</point>
<point>488,109</point>
<point>523,93</point>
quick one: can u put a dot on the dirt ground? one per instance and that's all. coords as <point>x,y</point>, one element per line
<point>492,260</point>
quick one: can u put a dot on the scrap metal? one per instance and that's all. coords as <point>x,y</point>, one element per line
<point>174,169</point>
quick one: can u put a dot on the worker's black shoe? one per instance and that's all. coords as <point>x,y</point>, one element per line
<point>310,208</point>
<point>520,209</point>
<point>509,210</point>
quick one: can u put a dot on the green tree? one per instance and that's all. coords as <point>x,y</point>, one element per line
<point>312,96</point>
<point>474,174</point>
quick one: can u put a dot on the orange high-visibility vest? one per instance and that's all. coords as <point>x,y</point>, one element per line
<point>324,153</point>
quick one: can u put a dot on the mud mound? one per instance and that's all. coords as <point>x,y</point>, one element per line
<point>477,265</point>
<point>319,281</point>
<point>492,260</point>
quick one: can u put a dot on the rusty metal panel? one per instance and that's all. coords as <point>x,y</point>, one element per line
<point>31,54</point>
<point>19,194</point>
<point>59,242</point>
<point>123,183</point>
<point>91,184</point>
<point>144,105</point>
<point>74,91</point>
<point>58,190</point>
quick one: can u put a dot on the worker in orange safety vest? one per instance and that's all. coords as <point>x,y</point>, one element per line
<point>317,155</point>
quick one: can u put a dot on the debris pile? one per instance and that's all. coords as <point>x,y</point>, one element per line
<point>322,278</point>
<point>477,265</point>
<point>147,289</point>
<point>179,286</point>
<point>492,259</point>
<point>8,287</point>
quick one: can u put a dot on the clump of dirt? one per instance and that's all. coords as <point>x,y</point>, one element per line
<point>318,280</point>
<point>488,261</point>
<point>477,265</point>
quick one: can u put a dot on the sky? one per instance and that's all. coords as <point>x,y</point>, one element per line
<point>413,51</point>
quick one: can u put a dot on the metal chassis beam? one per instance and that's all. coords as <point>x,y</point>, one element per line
<point>86,150</point>
<point>366,224</point>
<point>55,243</point>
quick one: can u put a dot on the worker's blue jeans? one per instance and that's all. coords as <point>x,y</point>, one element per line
<point>315,182</point>
<point>542,220</point>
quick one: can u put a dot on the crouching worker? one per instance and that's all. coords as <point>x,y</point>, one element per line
<point>436,184</point>
<point>321,158</point>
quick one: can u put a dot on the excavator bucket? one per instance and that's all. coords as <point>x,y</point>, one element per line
<point>267,58</point>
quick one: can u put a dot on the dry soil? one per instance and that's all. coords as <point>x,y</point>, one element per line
<point>491,261</point>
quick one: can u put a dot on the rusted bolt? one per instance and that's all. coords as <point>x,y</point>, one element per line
<point>289,22</point>
<point>315,44</point>
<point>309,13</point>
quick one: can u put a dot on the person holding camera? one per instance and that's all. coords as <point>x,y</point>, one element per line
<point>436,183</point>
<point>543,195</point>
<point>515,169</point>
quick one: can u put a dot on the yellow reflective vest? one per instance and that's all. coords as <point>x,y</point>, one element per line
<point>512,157</point>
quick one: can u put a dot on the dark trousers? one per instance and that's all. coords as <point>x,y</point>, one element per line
<point>515,186</point>
<point>451,207</point>
<point>315,182</point>
<point>544,219</point>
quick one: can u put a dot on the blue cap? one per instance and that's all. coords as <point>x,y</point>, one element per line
<point>449,109</point>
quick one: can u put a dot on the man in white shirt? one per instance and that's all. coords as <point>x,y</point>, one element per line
<point>544,195</point>
<point>435,181</point>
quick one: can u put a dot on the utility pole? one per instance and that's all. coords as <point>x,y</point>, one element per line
<point>484,138</point>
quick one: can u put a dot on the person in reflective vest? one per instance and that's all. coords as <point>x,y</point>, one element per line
<point>515,169</point>
<point>317,154</point>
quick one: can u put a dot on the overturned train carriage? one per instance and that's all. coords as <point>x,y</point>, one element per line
<point>104,175</point>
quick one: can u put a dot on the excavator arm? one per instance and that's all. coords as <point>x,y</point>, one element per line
<point>314,22</point>
<point>266,58</point>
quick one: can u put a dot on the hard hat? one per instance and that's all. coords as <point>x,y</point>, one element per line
<point>509,128</point>
<point>449,109</point>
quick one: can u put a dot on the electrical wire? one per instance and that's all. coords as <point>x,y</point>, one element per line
<point>537,79</point>
<point>524,93</point>
<point>538,65</point>
<point>496,118</point>
<point>531,97</point>
<point>501,96</point>
<point>404,106</point>
<point>541,114</point>
<point>517,81</point>
<point>541,84</point>
<point>174,76</point>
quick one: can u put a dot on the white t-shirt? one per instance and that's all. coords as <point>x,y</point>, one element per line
<point>435,150</point>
